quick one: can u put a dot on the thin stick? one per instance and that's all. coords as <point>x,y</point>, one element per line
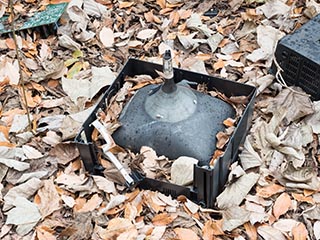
<point>21,80</point>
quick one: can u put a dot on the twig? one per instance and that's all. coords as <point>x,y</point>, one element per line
<point>21,80</point>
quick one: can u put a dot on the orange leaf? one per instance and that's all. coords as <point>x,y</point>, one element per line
<point>222,138</point>
<point>149,16</point>
<point>212,228</point>
<point>165,11</point>
<point>53,83</point>
<point>10,43</point>
<point>281,205</point>
<point>163,219</point>
<point>229,122</point>
<point>203,56</point>
<point>184,233</point>
<point>162,3</point>
<point>269,190</point>
<point>45,233</point>
<point>125,4</point>
<point>300,232</point>
<point>184,14</point>
<point>301,198</point>
<point>218,64</point>
<point>251,231</point>
<point>7,144</point>
<point>307,192</point>
<point>92,204</point>
<point>217,153</point>
<point>174,17</point>
<point>130,212</point>
<point>5,131</point>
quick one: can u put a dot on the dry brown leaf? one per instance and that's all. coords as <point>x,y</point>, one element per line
<point>222,139</point>
<point>153,202</point>
<point>126,4</point>
<point>219,64</point>
<point>65,152</point>
<point>92,204</point>
<point>45,233</point>
<point>163,219</point>
<point>281,205</point>
<point>302,198</point>
<point>269,233</point>
<point>251,231</point>
<point>184,233</point>
<point>162,3</point>
<point>269,190</point>
<point>116,226</point>
<point>212,228</point>
<point>300,232</point>
<point>130,212</point>
<point>174,17</point>
<point>49,199</point>
<point>149,16</point>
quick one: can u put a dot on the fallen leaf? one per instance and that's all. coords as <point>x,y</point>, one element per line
<point>65,152</point>
<point>281,205</point>
<point>76,88</point>
<point>15,164</point>
<point>251,231</point>
<point>300,232</point>
<point>69,201</point>
<point>285,225</point>
<point>92,204</point>
<point>163,219</point>
<point>125,4</point>
<point>316,229</point>
<point>249,157</point>
<point>182,170</point>
<point>297,105</point>
<point>45,233</point>
<point>25,215</point>
<point>234,217</point>
<point>146,34</point>
<point>106,37</point>
<point>269,190</point>
<point>157,232</point>
<point>115,227</point>
<point>274,8</point>
<point>104,184</point>
<point>49,198</point>
<point>267,38</point>
<point>24,190</point>
<point>234,194</point>
<point>31,152</point>
<point>20,123</point>
<point>212,228</point>
<point>184,233</point>
<point>269,233</point>
<point>302,198</point>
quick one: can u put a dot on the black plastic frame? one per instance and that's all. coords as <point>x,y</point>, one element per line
<point>208,182</point>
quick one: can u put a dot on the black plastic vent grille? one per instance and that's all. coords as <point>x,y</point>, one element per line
<point>299,56</point>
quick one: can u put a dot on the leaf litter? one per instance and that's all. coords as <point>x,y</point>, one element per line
<point>280,156</point>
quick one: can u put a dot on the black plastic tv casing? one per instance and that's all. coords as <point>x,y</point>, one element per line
<point>298,54</point>
<point>207,182</point>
